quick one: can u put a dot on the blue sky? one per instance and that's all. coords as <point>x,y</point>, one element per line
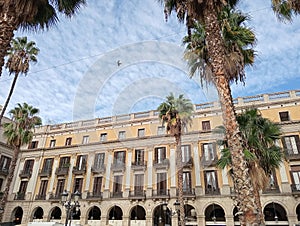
<point>77,75</point>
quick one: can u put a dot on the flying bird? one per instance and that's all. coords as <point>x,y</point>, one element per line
<point>119,63</point>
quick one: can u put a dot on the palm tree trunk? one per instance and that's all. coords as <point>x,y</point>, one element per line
<point>180,179</point>
<point>260,215</point>
<point>9,96</point>
<point>8,24</point>
<point>216,51</point>
<point>10,176</point>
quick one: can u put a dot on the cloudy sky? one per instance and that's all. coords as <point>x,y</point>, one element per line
<point>117,57</point>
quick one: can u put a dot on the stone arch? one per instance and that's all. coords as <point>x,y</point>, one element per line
<point>190,213</point>
<point>94,213</point>
<point>160,216</point>
<point>298,212</point>
<point>137,212</point>
<point>274,211</point>
<point>115,213</point>
<point>55,213</point>
<point>37,213</point>
<point>17,215</point>
<point>214,212</point>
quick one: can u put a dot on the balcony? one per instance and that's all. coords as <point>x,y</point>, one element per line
<point>295,189</point>
<point>271,189</point>
<point>118,166</point>
<point>212,191</point>
<point>187,193</point>
<point>45,172</point>
<point>209,162</point>
<point>292,156</point>
<point>117,194</point>
<point>95,195</point>
<point>3,172</point>
<point>139,165</point>
<point>55,196</point>
<point>19,196</point>
<point>137,195</point>
<point>163,164</point>
<point>161,194</point>
<point>60,171</point>
<point>40,197</point>
<point>25,173</point>
<point>98,169</point>
<point>79,170</point>
<point>188,164</point>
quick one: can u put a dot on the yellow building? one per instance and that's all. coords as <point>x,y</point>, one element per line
<point>124,168</point>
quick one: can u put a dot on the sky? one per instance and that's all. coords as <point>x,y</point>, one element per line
<point>117,57</point>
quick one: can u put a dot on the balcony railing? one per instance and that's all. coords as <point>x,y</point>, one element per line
<point>98,169</point>
<point>209,162</point>
<point>139,165</point>
<point>95,195</point>
<point>295,188</point>
<point>25,173</point>
<point>55,196</point>
<point>45,172</point>
<point>79,170</point>
<point>271,189</point>
<point>62,170</point>
<point>40,197</point>
<point>164,164</point>
<point>163,193</point>
<point>3,171</point>
<point>137,194</point>
<point>292,156</point>
<point>187,193</point>
<point>118,194</point>
<point>212,191</point>
<point>20,196</point>
<point>118,166</point>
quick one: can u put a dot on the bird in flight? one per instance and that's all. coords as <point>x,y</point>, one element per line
<point>119,63</point>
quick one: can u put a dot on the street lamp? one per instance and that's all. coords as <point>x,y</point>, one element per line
<point>67,202</point>
<point>275,214</point>
<point>176,206</point>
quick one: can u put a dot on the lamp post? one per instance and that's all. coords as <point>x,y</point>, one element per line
<point>171,213</point>
<point>67,202</point>
<point>275,214</point>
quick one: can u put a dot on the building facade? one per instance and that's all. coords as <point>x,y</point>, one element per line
<point>124,168</point>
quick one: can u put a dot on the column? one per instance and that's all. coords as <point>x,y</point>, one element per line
<point>285,186</point>
<point>90,163</point>
<point>70,175</point>
<point>198,187</point>
<point>225,189</point>
<point>150,172</point>
<point>34,176</point>
<point>107,175</point>
<point>173,172</point>
<point>52,178</point>
<point>128,173</point>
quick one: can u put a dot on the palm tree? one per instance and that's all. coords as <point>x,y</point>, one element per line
<point>176,113</point>
<point>19,56</point>
<point>32,15</point>
<point>207,13</point>
<point>18,132</point>
<point>262,154</point>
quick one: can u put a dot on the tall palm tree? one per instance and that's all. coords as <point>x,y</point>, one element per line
<point>18,132</point>
<point>20,55</point>
<point>262,154</point>
<point>207,13</point>
<point>176,113</point>
<point>32,15</point>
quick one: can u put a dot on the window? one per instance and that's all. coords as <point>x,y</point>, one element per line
<point>205,125</point>
<point>60,187</point>
<point>139,156</point>
<point>4,163</point>
<point>209,152</point>
<point>85,140</point>
<point>119,157</point>
<point>103,137</point>
<point>161,130</point>
<point>33,144</point>
<point>117,189</point>
<point>122,135</point>
<point>141,132</point>
<point>78,185</point>
<point>99,160</point>
<point>28,166</point>
<point>1,183</point>
<point>284,116</point>
<point>211,183</point>
<point>97,186</point>
<point>47,166</point>
<point>160,154</point>
<point>291,144</point>
<point>52,143</point>
<point>43,188</point>
<point>187,183</point>
<point>23,187</point>
<point>64,162</point>
<point>161,184</point>
<point>68,141</point>
<point>186,153</point>
<point>81,162</point>
<point>139,183</point>
<point>295,173</point>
